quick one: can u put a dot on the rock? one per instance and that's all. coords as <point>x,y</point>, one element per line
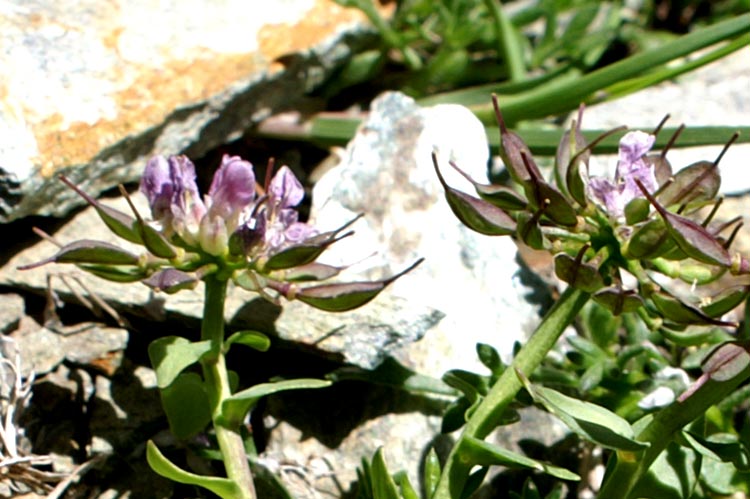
<point>387,174</point>
<point>96,346</point>
<point>93,90</point>
<point>40,348</point>
<point>11,311</point>
<point>715,95</point>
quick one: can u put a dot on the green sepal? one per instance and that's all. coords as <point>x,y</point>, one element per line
<point>529,231</point>
<point>116,273</point>
<point>341,297</point>
<point>92,252</point>
<point>475,213</point>
<point>637,211</point>
<point>222,487</point>
<point>618,300</point>
<point>678,312</point>
<point>578,274</point>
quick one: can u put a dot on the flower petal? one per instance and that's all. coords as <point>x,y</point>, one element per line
<point>285,189</point>
<point>233,186</point>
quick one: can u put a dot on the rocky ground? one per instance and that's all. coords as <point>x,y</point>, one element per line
<point>75,373</point>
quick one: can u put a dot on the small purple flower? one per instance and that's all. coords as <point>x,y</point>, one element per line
<point>285,192</point>
<point>630,167</point>
<point>232,188</point>
<point>169,184</point>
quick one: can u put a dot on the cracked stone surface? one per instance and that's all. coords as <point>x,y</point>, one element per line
<point>92,89</point>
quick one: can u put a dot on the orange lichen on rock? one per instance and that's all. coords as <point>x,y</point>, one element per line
<point>153,95</point>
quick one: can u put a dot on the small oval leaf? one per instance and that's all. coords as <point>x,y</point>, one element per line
<point>170,355</point>
<point>252,339</point>
<point>234,408</point>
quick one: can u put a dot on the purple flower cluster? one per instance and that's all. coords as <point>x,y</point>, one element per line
<point>648,220</point>
<point>231,206</point>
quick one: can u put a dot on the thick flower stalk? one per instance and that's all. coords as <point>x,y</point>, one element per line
<point>238,231</point>
<point>649,226</point>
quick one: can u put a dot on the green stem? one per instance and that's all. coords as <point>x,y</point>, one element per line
<point>217,384</point>
<point>629,468</point>
<point>487,415</point>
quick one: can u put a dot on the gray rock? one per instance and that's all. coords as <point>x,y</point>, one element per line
<point>11,310</point>
<point>40,348</point>
<point>93,90</point>
<point>387,174</point>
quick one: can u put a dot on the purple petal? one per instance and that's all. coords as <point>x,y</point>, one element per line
<point>169,184</point>
<point>634,145</point>
<point>607,194</point>
<point>157,187</point>
<point>285,189</point>
<point>299,232</point>
<point>233,186</point>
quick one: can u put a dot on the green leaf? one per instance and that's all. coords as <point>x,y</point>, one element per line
<point>431,472</point>
<point>383,486</point>
<point>490,358</point>
<point>480,453</point>
<point>186,405</point>
<point>592,422</point>
<point>234,408</point>
<point>405,486</point>
<point>673,475</point>
<point>723,447</point>
<point>474,481</point>
<point>252,339</point>
<point>222,487</point>
<point>170,355</point>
